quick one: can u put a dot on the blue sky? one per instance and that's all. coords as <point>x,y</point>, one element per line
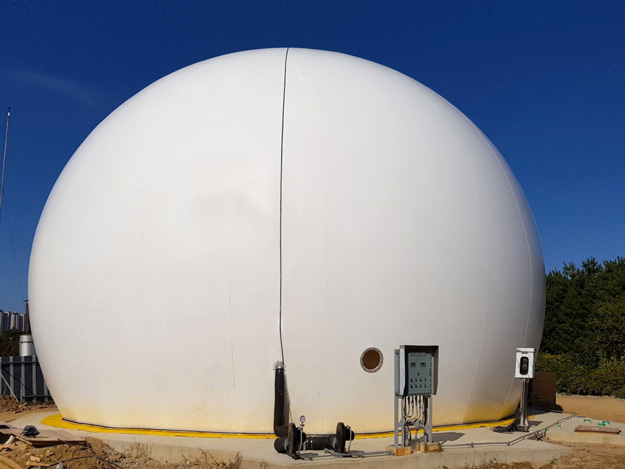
<point>545,81</point>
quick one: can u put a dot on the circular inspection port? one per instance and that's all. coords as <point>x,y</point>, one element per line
<point>371,360</point>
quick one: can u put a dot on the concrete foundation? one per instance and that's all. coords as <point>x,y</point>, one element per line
<point>461,447</point>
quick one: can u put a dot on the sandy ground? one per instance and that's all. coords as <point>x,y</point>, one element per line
<point>596,407</point>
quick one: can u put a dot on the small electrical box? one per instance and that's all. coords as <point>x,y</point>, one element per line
<point>524,364</point>
<point>416,371</point>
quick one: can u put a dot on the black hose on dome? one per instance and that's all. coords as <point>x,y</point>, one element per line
<point>280,422</point>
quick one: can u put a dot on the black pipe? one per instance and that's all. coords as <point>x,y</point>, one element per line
<point>319,442</point>
<point>280,444</point>
<point>280,423</point>
<point>336,441</point>
<point>291,438</point>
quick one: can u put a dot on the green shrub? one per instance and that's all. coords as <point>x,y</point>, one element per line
<point>575,376</point>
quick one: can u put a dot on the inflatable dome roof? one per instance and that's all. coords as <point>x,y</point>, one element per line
<point>282,204</point>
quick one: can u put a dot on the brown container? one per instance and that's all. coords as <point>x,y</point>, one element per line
<point>543,390</point>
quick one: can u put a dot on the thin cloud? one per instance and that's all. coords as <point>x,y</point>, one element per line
<point>70,88</point>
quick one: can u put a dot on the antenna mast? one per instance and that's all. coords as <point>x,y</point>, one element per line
<point>4,160</point>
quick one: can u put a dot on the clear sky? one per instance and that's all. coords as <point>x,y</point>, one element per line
<point>545,81</point>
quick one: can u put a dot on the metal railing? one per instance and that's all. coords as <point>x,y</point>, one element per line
<point>22,378</point>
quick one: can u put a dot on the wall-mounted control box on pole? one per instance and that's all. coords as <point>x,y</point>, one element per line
<point>524,370</point>
<point>416,381</point>
<point>524,363</point>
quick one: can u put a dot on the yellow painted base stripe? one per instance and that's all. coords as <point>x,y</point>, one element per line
<point>59,422</point>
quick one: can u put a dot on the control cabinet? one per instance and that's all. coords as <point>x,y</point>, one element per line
<point>416,370</point>
<point>416,381</point>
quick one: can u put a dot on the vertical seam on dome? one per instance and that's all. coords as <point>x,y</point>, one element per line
<point>475,186</point>
<point>286,58</point>
<point>325,345</point>
<point>527,243</point>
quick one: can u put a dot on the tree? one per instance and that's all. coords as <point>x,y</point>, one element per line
<point>609,325</point>
<point>9,343</point>
<point>575,297</point>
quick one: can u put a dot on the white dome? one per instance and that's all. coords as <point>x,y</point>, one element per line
<point>155,276</point>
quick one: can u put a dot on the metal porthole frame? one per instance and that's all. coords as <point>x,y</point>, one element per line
<point>380,356</point>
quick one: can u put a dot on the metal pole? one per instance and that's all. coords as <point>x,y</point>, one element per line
<point>404,436</point>
<point>12,376</point>
<point>33,368</point>
<point>4,160</point>
<point>395,441</point>
<point>429,420</point>
<point>22,379</point>
<point>523,422</point>
<point>398,399</point>
<point>400,422</point>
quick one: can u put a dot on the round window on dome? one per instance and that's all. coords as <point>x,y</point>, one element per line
<point>371,360</point>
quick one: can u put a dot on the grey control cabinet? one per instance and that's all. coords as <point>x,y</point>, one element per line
<point>416,370</point>
<point>416,381</point>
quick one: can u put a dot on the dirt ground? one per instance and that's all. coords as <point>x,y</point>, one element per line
<point>596,407</point>
<point>10,409</point>
<point>589,456</point>
<point>96,454</point>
